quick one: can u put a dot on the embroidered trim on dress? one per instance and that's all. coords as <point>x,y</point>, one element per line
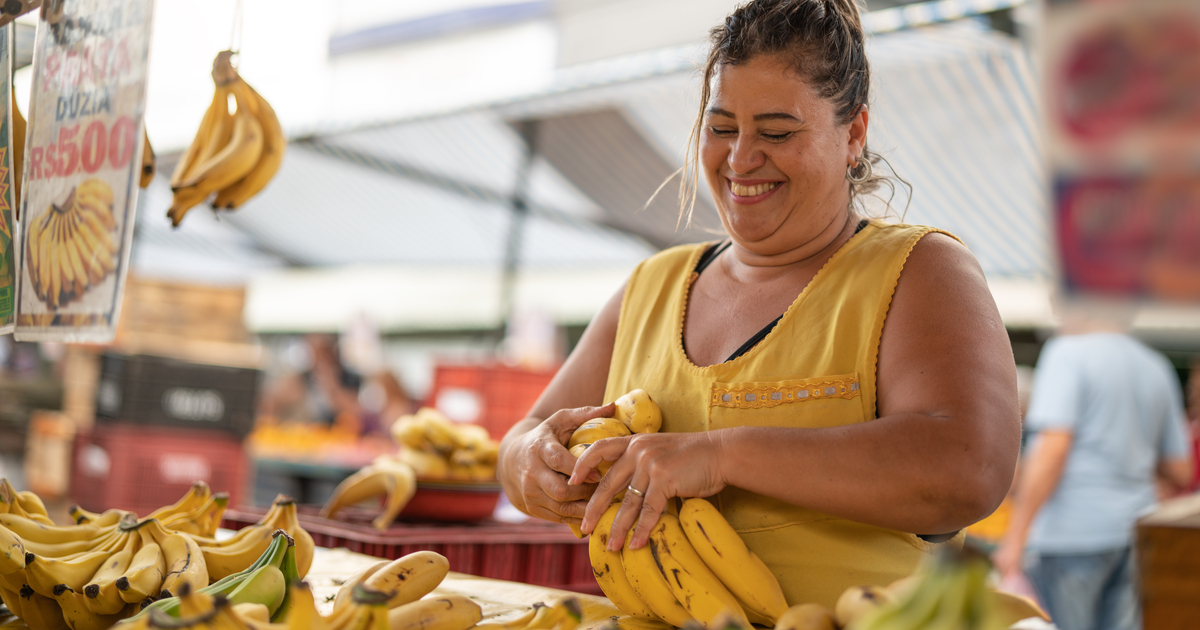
<point>763,395</point>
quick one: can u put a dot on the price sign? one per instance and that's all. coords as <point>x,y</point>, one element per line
<point>82,166</point>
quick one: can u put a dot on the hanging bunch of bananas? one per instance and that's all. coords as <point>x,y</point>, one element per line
<point>636,412</point>
<point>438,448</point>
<point>111,564</point>
<point>71,246</point>
<point>233,155</point>
<point>695,569</point>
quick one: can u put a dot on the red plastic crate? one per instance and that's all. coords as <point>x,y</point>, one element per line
<point>142,468</point>
<point>505,394</point>
<point>535,552</point>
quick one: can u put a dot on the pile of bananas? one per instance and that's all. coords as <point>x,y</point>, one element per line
<point>564,614</point>
<point>110,565</point>
<point>432,447</point>
<point>438,448</point>
<point>636,412</point>
<point>233,155</point>
<point>71,246</point>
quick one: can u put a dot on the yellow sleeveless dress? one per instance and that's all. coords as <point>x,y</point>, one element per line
<point>816,368</point>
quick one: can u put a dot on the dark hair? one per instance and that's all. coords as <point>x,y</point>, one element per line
<point>822,40</point>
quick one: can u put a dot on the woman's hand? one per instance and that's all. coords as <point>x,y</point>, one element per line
<point>535,466</point>
<point>660,465</point>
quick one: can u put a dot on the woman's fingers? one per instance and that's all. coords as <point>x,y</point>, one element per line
<point>564,422</point>
<point>606,450</point>
<point>640,509</point>
<point>612,483</point>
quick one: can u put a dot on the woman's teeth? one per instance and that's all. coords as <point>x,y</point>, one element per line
<point>751,191</point>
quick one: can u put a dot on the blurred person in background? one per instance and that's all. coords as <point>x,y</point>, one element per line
<point>1107,413</point>
<point>1193,411</point>
<point>867,358</point>
<point>323,391</point>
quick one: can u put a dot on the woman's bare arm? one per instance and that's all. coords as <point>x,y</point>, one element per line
<point>533,464</point>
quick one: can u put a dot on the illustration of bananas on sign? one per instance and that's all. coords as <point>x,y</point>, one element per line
<point>71,246</point>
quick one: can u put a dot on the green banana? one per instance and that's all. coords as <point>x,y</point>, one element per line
<point>273,556</point>
<point>266,585</point>
<point>291,577</point>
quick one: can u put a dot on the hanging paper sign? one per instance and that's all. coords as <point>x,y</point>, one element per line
<point>8,268</point>
<point>82,167</point>
<point>1124,136</point>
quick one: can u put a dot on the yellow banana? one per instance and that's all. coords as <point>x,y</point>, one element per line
<point>202,521</point>
<point>101,593</point>
<point>185,199</point>
<point>638,412</point>
<point>43,574</point>
<point>42,612</point>
<point>806,617</point>
<point>144,576</point>
<point>723,551</point>
<point>29,508</point>
<point>857,601</point>
<point>31,503</point>
<point>274,144</point>
<point>650,585</point>
<point>449,612</point>
<point>235,159</point>
<point>1012,608</point>
<point>191,156</point>
<point>191,500</point>
<point>344,597</point>
<point>426,465</point>
<point>610,571</point>
<point>290,523</point>
<point>96,188</point>
<point>12,551</point>
<point>302,612</point>
<point>11,600</point>
<point>184,560</point>
<point>149,164</point>
<point>79,617</point>
<point>397,480</point>
<point>597,429</point>
<point>253,612</point>
<point>694,585</point>
<point>410,578</point>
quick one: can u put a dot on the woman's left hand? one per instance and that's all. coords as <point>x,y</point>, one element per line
<point>660,466</point>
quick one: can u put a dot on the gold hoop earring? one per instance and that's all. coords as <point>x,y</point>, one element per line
<point>860,163</point>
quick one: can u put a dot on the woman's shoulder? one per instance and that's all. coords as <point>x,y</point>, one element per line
<point>674,259</point>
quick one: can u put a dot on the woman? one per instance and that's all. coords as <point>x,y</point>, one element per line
<point>838,387</point>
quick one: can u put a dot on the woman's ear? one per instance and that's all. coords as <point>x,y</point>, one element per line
<point>856,141</point>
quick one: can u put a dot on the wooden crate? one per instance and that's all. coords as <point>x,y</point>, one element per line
<point>1168,551</point>
<point>190,322</point>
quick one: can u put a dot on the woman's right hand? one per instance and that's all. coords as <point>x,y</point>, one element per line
<point>535,465</point>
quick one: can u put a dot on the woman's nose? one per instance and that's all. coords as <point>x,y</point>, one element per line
<point>744,155</point>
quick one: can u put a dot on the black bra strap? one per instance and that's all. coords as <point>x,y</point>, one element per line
<point>711,254</point>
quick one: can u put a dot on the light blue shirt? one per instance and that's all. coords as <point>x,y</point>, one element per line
<point>1124,407</point>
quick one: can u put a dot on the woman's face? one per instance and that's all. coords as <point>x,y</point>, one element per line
<point>775,157</point>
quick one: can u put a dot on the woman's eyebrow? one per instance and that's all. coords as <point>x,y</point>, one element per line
<point>717,111</point>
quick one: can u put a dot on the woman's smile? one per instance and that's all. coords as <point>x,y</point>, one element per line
<point>751,191</point>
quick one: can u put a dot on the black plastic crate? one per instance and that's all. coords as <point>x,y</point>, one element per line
<point>159,391</point>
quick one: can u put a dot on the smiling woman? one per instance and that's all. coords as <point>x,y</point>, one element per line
<point>840,388</point>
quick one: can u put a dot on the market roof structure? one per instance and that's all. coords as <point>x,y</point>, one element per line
<point>954,111</point>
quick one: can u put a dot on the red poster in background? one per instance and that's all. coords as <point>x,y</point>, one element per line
<point>82,166</point>
<point>1123,112</point>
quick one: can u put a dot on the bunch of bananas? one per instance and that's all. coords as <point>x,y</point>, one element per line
<point>438,448</point>
<point>110,565</point>
<point>233,155</point>
<point>948,593</point>
<point>564,614</point>
<point>432,447</point>
<point>71,246</point>
<point>695,568</point>
<point>636,412</point>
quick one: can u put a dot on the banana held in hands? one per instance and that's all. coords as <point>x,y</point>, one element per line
<point>610,571</point>
<point>696,587</point>
<point>651,586</point>
<point>639,412</point>
<point>723,551</point>
<point>597,429</point>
